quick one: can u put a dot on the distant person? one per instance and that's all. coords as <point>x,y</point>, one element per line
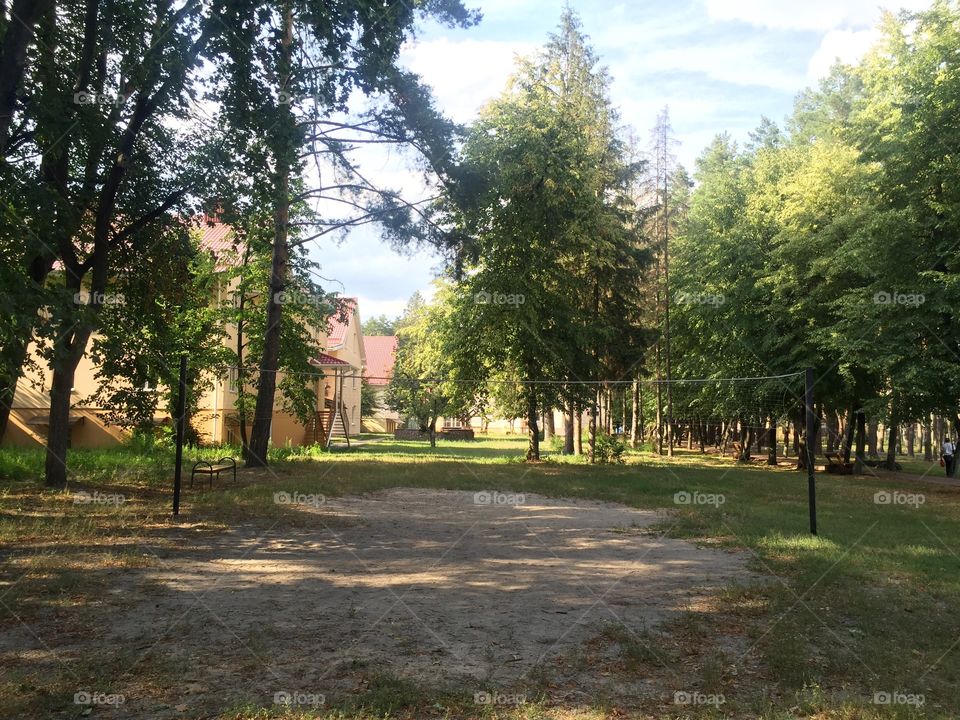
<point>949,448</point>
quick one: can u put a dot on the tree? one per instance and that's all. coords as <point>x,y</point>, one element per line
<point>417,388</point>
<point>291,70</point>
<point>99,87</point>
<point>379,325</point>
<point>549,219</point>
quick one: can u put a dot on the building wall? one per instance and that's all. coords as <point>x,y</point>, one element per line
<point>216,416</point>
<point>31,404</point>
<point>384,419</point>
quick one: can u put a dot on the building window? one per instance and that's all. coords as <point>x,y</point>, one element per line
<point>233,376</point>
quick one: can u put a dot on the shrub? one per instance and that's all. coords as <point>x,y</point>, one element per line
<point>609,450</point>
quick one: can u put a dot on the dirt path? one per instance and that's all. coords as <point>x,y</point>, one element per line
<point>417,584</point>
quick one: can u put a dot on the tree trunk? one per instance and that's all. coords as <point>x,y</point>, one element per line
<point>533,431</point>
<point>891,461</point>
<point>872,439</point>
<point>578,435</point>
<point>659,419</point>
<point>926,440</point>
<point>568,429</point>
<point>608,402</point>
<point>635,415</point>
<point>861,442</point>
<point>744,439</point>
<point>641,430</point>
<point>67,354</point>
<point>772,439</point>
<point>833,430</point>
<point>911,438</point>
<point>848,433</point>
<point>285,150</point>
<point>592,432</point>
<point>256,455</point>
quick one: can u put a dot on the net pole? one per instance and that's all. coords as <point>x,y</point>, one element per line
<point>181,414</point>
<point>811,431</point>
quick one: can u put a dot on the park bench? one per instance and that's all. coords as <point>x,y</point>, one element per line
<point>203,467</point>
<point>836,464</point>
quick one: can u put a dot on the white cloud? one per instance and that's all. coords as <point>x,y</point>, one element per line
<point>741,62</point>
<point>464,74</point>
<point>846,46</point>
<point>807,15</point>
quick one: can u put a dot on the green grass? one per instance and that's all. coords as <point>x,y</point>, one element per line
<point>870,605</point>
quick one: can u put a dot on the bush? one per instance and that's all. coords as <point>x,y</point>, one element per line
<point>609,450</point>
<point>556,444</point>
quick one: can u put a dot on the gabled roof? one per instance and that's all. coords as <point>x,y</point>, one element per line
<point>218,239</point>
<point>380,351</point>
<point>215,236</point>
<point>339,323</point>
<point>329,361</point>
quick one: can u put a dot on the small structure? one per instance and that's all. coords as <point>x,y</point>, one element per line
<point>331,419</point>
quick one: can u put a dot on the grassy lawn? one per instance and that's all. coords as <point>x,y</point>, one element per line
<point>869,606</point>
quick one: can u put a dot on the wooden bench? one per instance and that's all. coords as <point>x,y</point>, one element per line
<point>836,464</point>
<point>203,467</point>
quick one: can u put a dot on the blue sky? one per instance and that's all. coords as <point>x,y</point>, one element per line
<point>718,64</point>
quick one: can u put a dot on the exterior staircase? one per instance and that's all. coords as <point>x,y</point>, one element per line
<point>326,426</point>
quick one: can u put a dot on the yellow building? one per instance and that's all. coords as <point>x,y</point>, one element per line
<point>336,386</point>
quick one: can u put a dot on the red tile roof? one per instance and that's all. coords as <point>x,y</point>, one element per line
<point>216,236</point>
<point>340,322</point>
<point>381,353</point>
<point>218,239</point>
<point>324,360</point>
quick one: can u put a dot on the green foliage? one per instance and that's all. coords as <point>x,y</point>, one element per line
<point>550,258</point>
<point>379,325</point>
<point>832,245</point>
<point>609,450</point>
<point>424,385</point>
<point>369,399</point>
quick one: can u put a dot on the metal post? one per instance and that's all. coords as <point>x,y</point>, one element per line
<point>811,432</point>
<point>180,420</point>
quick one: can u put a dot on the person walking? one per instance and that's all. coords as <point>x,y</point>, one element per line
<point>949,449</point>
